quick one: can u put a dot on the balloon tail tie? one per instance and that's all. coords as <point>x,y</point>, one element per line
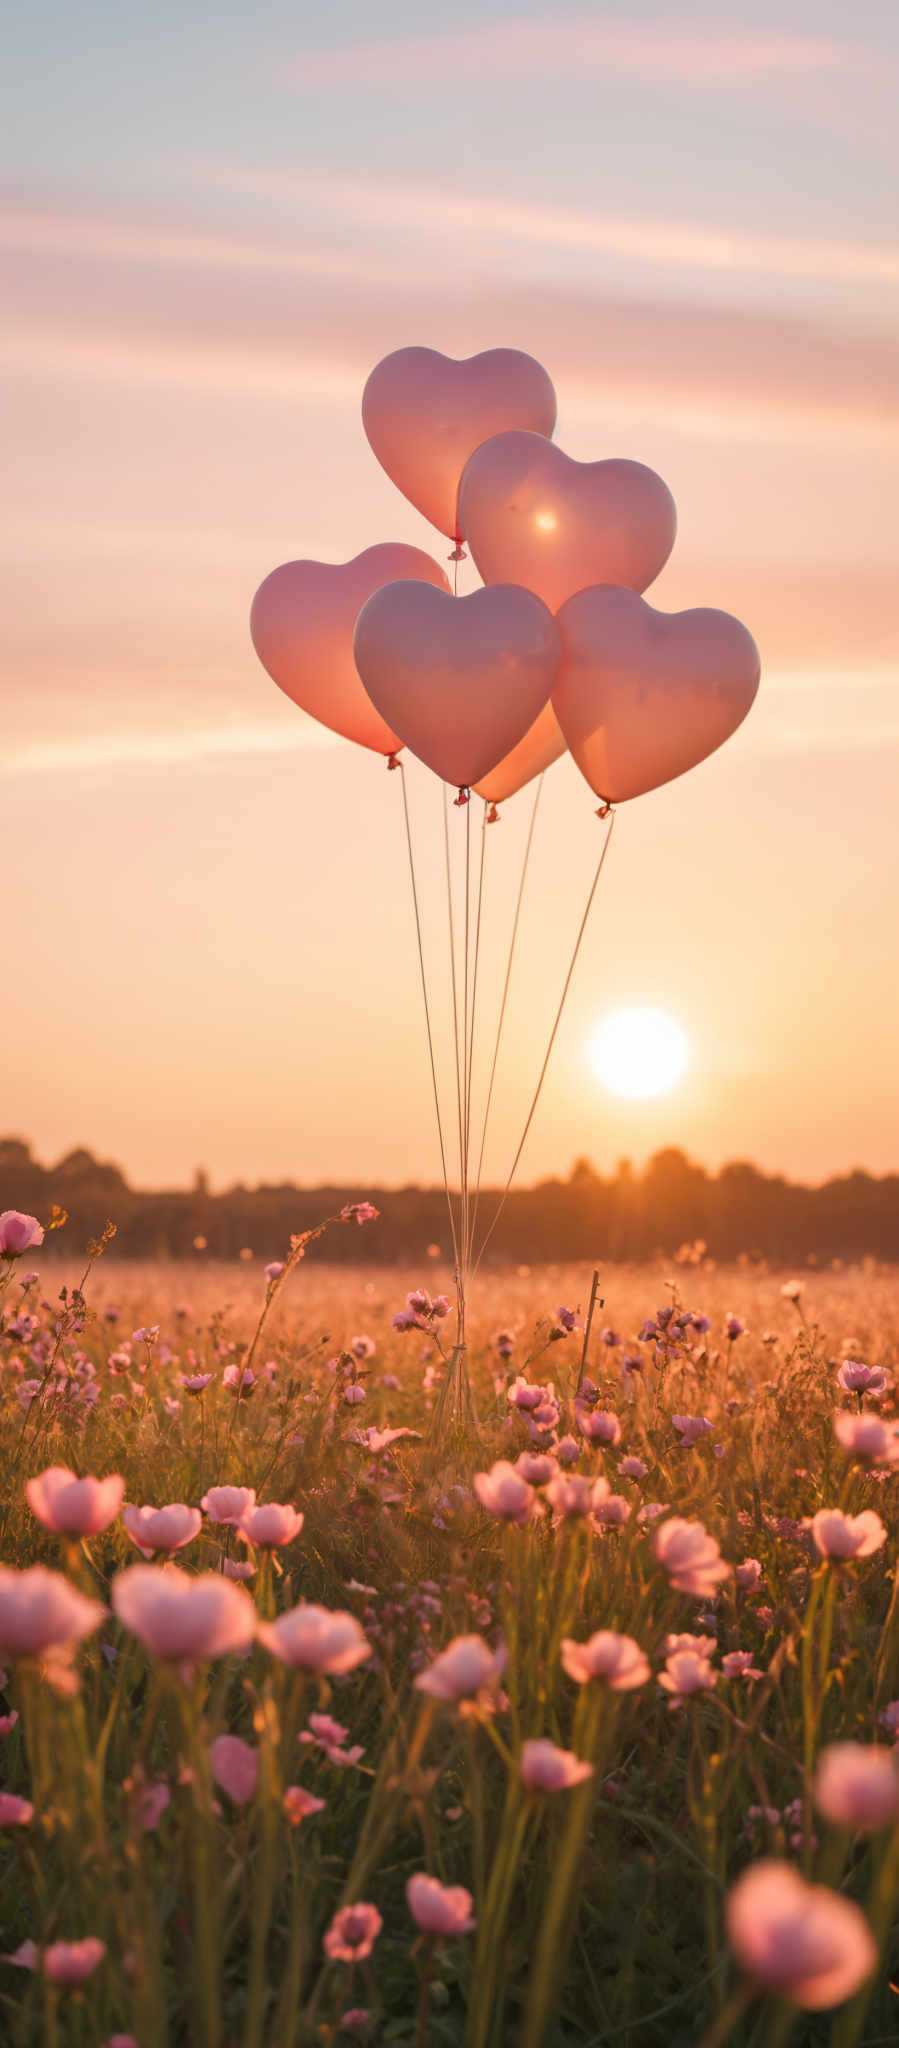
<point>493,817</point>
<point>605,810</point>
<point>463,798</point>
<point>458,554</point>
<point>393,760</point>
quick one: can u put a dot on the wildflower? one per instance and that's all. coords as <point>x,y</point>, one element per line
<point>889,1719</point>
<point>359,1212</point>
<point>856,1378</point>
<point>405,1320</point>
<point>74,1507</point>
<point>840,1536</point>
<point>235,1767</point>
<point>466,1670</point>
<point>521,1394</point>
<point>41,1614</point>
<point>72,1962</point>
<point>748,1574</point>
<point>686,1672</point>
<point>228,1504</point>
<point>18,1233</point>
<point>544,1768</point>
<point>239,1380</point>
<point>504,1493</point>
<point>183,1619</point>
<point>503,1342</point>
<point>567,1450</point>
<point>791,1290</point>
<point>802,1940</point>
<point>602,1426</point>
<point>233,1569</point>
<point>537,1467</point>
<point>299,1804</point>
<point>25,1957</point>
<point>167,1528</point>
<point>273,1270</point>
<point>690,1429</point>
<point>690,1556</point>
<point>867,1436</point>
<point>362,1347</point>
<point>739,1664</point>
<point>316,1639</point>
<point>568,1320</point>
<point>195,1383</point>
<point>614,1659</point>
<point>8,1722</point>
<point>570,1494</point>
<point>148,1801</point>
<point>270,1525</point>
<point>609,1510</point>
<point>734,1328</point>
<point>633,1468</point>
<point>857,1786</point>
<point>703,1645</point>
<point>439,1909</point>
<point>352,1934</point>
<point>14,1812</point>
<point>353,1394</point>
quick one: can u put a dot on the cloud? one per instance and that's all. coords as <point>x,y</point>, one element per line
<point>704,53</point>
<point>113,751</point>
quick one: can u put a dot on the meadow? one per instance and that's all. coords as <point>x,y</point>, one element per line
<point>571,1726</point>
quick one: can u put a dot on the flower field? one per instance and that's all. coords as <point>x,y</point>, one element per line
<point>334,1712</point>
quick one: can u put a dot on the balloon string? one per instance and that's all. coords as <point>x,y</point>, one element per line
<point>469,1238</point>
<point>466,1039</point>
<point>502,1009</point>
<point>552,1039</point>
<point>460,1277</point>
<point>424,991</point>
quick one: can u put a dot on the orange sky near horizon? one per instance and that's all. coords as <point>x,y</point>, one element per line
<point>208,934</point>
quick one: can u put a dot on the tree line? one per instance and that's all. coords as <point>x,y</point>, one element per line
<point>669,1206</point>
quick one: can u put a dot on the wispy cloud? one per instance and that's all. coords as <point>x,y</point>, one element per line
<point>692,51</point>
<point>112,751</point>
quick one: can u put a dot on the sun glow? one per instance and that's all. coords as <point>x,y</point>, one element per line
<point>639,1052</point>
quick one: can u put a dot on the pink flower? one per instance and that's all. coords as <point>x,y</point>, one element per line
<point>167,1528</point>
<point>739,1664</point>
<point>361,1212</point>
<point>74,1507</point>
<point>41,1613</point>
<point>14,1813</point>
<point>599,1425</point>
<point>791,1290</point>
<point>233,1568</point>
<point>570,1494</point>
<point>227,1504</point>
<point>316,1639</point>
<point>748,1574</point>
<point>569,1320</point>
<point>362,1347</point>
<point>616,1660</point>
<point>839,1536</point>
<point>803,1940</point>
<point>354,1393</point>
<point>240,1381</point>
<point>235,1766</point>
<point>72,1962</point>
<point>18,1233</point>
<point>690,1556</point>
<point>857,1378</point>
<point>180,1618</point>
<point>352,1934</point>
<point>521,1394</point>
<point>889,1719</point>
<point>8,1722</point>
<point>25,1957</point>
<point>633,1468</point>
<point>857,1786</point>
<point>439,1909</point>
<point>504,1493</point>
<point>195,1383</point>
<point>149,1801</point>
<point>270,1525</point>
<point>544,1768</point>
<point>690,1429</point>
<point>686,1672</point>
<point>273,1270</point>
<point>609,1510</point>
<point>299,1804</point>
<point>537,1467</point>
<point>465,1670</point>
<point>867,1436</point>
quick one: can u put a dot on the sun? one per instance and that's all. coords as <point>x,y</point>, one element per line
<point>639,1052</point>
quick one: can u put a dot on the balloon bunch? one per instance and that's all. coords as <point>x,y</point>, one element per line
<point>557,649</point>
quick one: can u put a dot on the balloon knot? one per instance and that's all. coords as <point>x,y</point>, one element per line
<point>393,760</point>
<point>458,554</point>
<point>464,796</point>
<point>605,810</point>
<point>493,815</point>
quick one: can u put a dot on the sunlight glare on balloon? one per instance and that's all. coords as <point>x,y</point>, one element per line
<point>639,1052</point>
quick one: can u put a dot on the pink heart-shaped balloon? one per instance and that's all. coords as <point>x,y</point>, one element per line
<point>461,679</point>
<point>302,625</point>
<point>425,414</point>
<point>544,744</point>
<point>531,514</point>
<point>644,695</point>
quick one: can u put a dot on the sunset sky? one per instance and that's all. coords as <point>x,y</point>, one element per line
<point>213,223</point>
